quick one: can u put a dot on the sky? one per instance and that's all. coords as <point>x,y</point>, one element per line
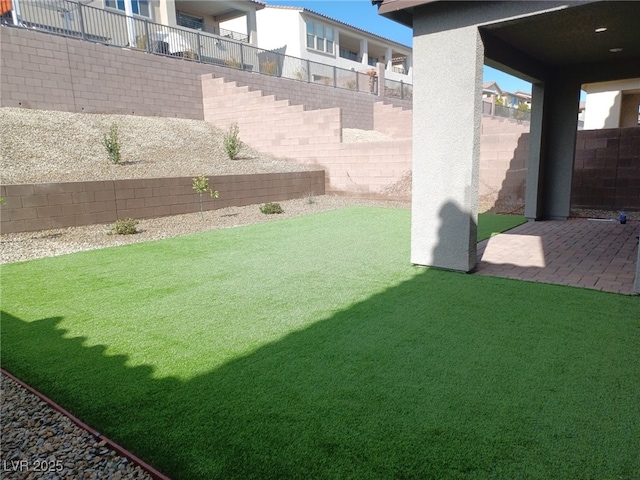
<point>361,14</point>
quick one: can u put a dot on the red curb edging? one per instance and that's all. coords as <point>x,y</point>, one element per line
<point>113,445</point>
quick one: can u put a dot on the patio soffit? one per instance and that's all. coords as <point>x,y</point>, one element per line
<point>561,39</point>
<point>221,10</point>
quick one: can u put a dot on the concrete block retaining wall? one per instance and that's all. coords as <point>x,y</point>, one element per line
<point>32,207</point>
<point>313,137</point>
<point>606,171</point>
<point>50,72</point>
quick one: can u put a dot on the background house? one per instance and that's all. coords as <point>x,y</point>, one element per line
<point>203,16</point>
<point>496,101</point>
<point>612,104</point>
<point>303,33</point>
<point>211,16</point>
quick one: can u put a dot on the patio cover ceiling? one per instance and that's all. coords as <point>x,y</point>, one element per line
<point>565,39</point>
<point>221,10</point>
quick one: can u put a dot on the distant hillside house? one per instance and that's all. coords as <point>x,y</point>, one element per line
<point>309,35</point>
<point>491,92</point>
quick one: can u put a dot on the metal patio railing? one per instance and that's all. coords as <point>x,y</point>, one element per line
<point>75,20</point>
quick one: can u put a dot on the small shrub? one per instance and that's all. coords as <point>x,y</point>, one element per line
<point>141,42</point>
<point>352,84</point>
<point>233,63</point>
<point>232,143</point>
<point>270,67</point>
<point>309,198</point>
<point>201,184</point>
<point>1,200</point>
<point>271,208</point>
<point>301,74</point>
<point>128,226</point>
<point>112,144</point>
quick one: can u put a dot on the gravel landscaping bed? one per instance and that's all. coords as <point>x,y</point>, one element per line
<point>16,247</point>
<point>38,442</point>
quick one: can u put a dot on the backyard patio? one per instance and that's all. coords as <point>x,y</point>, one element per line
<point>591,253</point>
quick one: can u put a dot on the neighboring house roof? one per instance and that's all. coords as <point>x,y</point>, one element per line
<point>306,10</point>
<point>399,10</point>
<point>491,87</point>
<point>523,95</point>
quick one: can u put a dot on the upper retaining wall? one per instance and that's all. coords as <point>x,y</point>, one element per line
<point>50,72</point>
<point>31,207</point>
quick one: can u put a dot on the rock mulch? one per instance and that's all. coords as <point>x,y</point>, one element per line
<point>40,443</point>
<point>16,247</point>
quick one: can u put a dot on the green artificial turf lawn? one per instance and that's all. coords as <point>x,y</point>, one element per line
<point>311,348</point>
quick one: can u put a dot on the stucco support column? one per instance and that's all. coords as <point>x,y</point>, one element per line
<point>364,51</point>
<point>388,58</point>
<point>131,27</point>
<point>167,13</point>
<point>252,27</point>
<point>409,65</point>
<point>554,122</point>
<point>381,77</point>
<point>447,105</point>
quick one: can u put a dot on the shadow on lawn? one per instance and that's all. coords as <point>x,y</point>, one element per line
<point>425,380</point>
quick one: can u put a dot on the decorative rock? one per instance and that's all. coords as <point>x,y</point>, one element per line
<point>64,453</point>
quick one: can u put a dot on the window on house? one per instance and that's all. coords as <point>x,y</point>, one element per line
<point>373,61</point>
<point>319,37</point>
<point>138,7</point>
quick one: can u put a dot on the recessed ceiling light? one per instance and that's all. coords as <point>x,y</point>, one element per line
<point>601,29</point>
<point>615,50</point>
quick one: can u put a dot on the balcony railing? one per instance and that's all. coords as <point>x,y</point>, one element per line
<point>395,89</point>
<point>72,19</point>
<point>187,22</point>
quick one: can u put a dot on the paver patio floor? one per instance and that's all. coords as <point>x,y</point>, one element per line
<point>579,252</point>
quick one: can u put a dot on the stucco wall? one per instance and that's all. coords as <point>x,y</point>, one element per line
<point>630,110</point>
<point>610,104</point>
